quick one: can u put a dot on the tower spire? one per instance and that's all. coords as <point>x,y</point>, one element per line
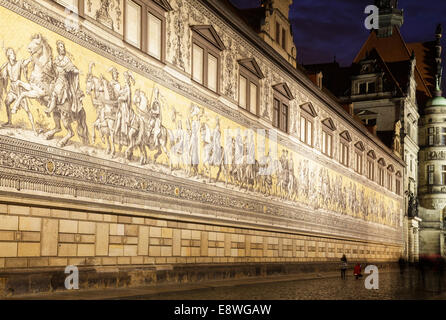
<point>438,49</point>
<point>389,17</point>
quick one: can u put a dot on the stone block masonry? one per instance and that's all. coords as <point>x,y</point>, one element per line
<point>93,240</point>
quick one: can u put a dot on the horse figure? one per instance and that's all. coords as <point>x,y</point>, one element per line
<point>145,137</point>
<point>105,101</point>
<point>40,87</point>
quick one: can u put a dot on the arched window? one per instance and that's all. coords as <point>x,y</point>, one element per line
<point>381,172</point>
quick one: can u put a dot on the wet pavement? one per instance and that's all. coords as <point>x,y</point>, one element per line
<point>392,286</point>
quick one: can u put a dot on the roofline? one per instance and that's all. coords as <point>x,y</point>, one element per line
<point>299,75</point>
<point>408,53</point>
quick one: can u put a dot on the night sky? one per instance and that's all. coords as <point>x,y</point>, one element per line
<point>327,28</point>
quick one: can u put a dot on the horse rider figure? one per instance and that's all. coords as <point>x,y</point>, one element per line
<point>66,86</point>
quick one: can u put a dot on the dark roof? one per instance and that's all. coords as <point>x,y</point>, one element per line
<point>334,77</point>
<point>386,137</point>
<point>254,17</point>
<point>395,49</point>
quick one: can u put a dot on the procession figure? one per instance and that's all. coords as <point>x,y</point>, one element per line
<point>104,98</point>
<point>13,70</point>
<point>66,86</point>
<point>155,122</point>
<point>125,104</point>
<point>177,144</point>
<point>216,145</point>
<point>194,140</point>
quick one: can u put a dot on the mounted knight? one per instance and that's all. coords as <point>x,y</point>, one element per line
<point>55,83</point>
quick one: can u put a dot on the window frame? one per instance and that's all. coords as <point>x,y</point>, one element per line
<point>359,155</point>
<point>390,171</point>
<point>250,78</point>
<point>284,103</point>
<point>381,173</point>
<point>329,137</point>
<point>147,7</point>
<point>371,158</point>
<point>430,174</point>
<point>208,49</point>
<point>307,120</point>
<point>430,135</point>
<point>344,147</point>
<point>328,129</point>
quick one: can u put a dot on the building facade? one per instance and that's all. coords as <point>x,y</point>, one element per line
<point>389,84</point>
<point>433,166</point>
<point>155,135</point>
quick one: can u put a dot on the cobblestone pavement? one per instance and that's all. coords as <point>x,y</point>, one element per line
<point>392,286</point>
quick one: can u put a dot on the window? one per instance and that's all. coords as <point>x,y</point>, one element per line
<point>249,84</point>
<point>430,174</point>
<point>133,23</point>
<point>197,56</point>
<point>277,32</point>
<point>430,136</point>
<point>443,136</point>
<point>144,26</point>
<point>154,34</point>
<point>381,176</point>
<point>443,175</point>
<point>358,162</point>
<point>344,148</point>
<point>306,130</point>
<point>280,115</point>
<point>206,47</point>
<point>327,143</point>
<point>359,158</point>
<point>282,97</point>
<point>381,173</point>
<point>366,87</point>
<point>363,88</point>
<point>344,153</point>
<point>398,186</point>
<point>389,180</point>
<point>371,169</point>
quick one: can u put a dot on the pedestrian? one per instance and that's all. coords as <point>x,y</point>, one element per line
<point>357,271</point>
<point>343,266</point>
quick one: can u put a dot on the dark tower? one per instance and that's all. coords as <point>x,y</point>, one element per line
<point>389,17</point>
<point>438,49</point>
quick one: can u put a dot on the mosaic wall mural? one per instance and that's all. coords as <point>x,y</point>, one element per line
<point>58,93</point>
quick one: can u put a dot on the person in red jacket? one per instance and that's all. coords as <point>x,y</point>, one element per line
<point>357,271</point>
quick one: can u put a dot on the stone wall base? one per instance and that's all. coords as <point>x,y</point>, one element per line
<point>25,282</point>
